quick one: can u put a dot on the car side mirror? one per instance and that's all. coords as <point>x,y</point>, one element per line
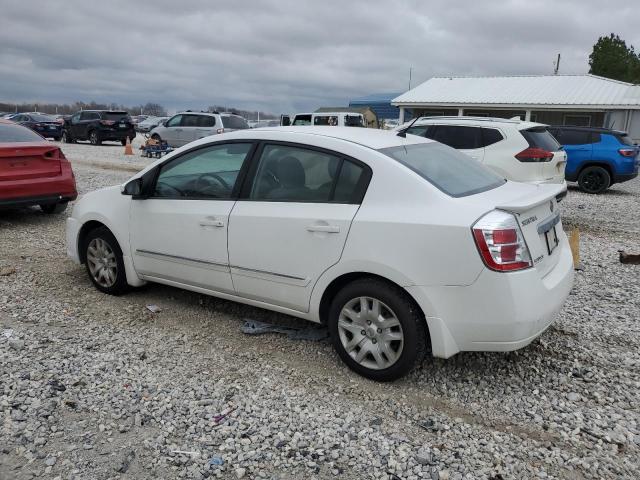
<point>133,188</point>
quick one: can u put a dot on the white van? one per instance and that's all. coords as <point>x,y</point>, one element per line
<point>330,119</point>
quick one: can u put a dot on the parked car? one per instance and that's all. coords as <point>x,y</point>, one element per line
<point>98,126</point>
<point>327,119</point>
<point>185,127</point>
<point>397,244</point>
<point>517,150</point>
<point>33,171</point>
<point>265,123</point>
<point>597,157</point>
<point>390,123</point>
<point>135,119</point>
<point>45,125</point>
<point>149,124</point>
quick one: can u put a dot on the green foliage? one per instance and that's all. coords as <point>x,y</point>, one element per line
<point>612,58</point>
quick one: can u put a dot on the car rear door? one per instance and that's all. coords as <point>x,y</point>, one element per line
<point>578,148</point>
<point>292,221</point>
<point>466,139</point>
<point>188,128</point>
<point>206,126</point>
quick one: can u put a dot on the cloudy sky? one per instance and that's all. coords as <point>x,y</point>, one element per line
<point>284,55</point>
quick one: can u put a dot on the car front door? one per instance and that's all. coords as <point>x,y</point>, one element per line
<point>291,222</point>
<point>178,235</point>
<point>172,131</point>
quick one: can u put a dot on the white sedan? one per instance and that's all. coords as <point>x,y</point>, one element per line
<point>401,245</point>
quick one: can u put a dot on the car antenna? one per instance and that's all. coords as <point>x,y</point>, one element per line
<point>403,133</point>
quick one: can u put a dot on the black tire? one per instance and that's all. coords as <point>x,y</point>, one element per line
<point>94,138</point>
<point>123,142</point>
<point>66,138</point>
<point>120,284</point>
<point>411,319</point>
<point>52,208</point>
<point>56,139</point>
<point>594,179</point>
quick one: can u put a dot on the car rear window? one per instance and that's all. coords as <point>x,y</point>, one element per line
<point>42,118</point>
<point>540,137</point>
<point>624,139</point>
<point>452,172</point>
<point>234,122</point>
<point>115,116</point>
<point>18,133</point>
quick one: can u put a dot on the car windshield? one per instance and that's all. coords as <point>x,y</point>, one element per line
<point>234,122</point>
<point>41,118</point>
<point>18,133</point>
<point>115,116</point>
<point>450,171</point>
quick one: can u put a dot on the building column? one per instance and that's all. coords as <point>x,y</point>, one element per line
<point>461,112</point>
<point>401,117</point>
<point>527,115</point>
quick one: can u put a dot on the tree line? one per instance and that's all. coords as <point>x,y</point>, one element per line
<point>70,108</point>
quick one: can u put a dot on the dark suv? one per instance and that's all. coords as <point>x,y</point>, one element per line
<point>98,126</point>
<point>597,157</point>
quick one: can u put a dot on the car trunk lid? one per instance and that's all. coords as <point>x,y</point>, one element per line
<point>22,161</point>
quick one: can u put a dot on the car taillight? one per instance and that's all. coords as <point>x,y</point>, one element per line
<point>107,122</point>
<point>535,154</point>
<point>627,152</point>
<point>500,242</point>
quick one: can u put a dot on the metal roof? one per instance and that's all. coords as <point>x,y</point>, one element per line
<point>554,91</point>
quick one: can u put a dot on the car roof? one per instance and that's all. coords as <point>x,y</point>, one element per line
<point>519,124</point>
<point>367,137</point>
<point>588,129</point>
<point>210,114</point>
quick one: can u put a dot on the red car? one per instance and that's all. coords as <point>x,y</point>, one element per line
<point>33,171</point>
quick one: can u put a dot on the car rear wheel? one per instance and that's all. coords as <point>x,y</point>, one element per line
<point>51,208</point>
<point>94,138</point>
<point>594,179</point>
<point>103,260</point>
<point>377,330</point>
<point>123,142</point>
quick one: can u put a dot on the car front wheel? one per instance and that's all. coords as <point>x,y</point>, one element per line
<point>66,138</point>
<point>594,179</point>
<point>94,138</point>
<point>103,260</point>
<point>377,330</point>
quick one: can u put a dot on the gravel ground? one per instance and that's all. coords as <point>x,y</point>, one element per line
<point>97,387</point>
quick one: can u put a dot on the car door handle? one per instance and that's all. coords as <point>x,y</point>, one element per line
<point>323,228</point>
<point>177,130</point>
<point>212,223</point>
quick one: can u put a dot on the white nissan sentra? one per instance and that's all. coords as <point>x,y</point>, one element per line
<point>401,245</point>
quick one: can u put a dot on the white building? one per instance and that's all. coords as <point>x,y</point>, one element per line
<point>585,100</point>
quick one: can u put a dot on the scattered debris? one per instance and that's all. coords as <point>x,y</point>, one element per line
<point>184,452</point>
<point>6,271</point>
<point>628,258</point>
<point>126,462</point>
<point>312,333</point>
<point>153,308</point>
<point>574,243</point>
<point>7,333</point>
<point>221,417</point>
<point>216,461</point>
<point>71,403</point>
<point>56,385</point>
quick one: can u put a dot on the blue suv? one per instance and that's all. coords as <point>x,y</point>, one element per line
<point>597,157</point>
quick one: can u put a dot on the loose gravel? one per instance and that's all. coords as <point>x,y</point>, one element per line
<point>99,387</point>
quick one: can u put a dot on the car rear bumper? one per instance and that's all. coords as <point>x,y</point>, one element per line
<point>116,134</point>
<point>39,191</point>
<point>499,311</point>
<point>46,132</point>
<point>624,177</point>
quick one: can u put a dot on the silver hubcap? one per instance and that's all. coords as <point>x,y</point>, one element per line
<point>370,333</point>
<point>102,262</point>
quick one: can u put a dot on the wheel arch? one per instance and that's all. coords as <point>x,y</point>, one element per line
<point>84,231</point>
<point>597,163</point>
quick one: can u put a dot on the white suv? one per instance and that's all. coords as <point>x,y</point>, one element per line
<point>517,150</point>
<point>185,127</point>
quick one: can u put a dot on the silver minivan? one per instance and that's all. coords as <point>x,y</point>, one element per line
<point>185,127</point>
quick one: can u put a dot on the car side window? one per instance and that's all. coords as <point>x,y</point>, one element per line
<point>574,137</point>
<point>207,173</point>
<point>84,116</point>
<point>75,118</point>
<point>458,137</point>
<point>302,120</point>
<point>206,121</point>
<point>419,130</point>
<point>490,136</point>
<point>296,174</point>
<point>190,121</point>
<point>94,116</point>
<point>174,121</point>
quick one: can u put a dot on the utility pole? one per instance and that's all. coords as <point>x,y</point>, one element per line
<point>410,68</point>
<point>557,65</point>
